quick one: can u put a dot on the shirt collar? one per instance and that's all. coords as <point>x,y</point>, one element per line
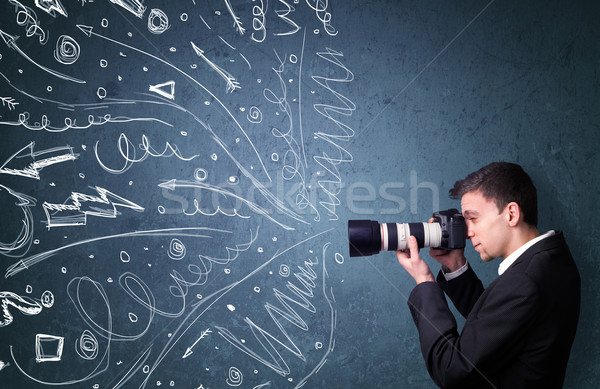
<point>505,264</point>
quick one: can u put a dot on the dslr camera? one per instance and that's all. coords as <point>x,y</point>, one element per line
<point>368,237</point>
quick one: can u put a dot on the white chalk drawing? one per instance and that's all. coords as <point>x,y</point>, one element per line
<point>165,89</point>
<point>9,102</point>
<point>67,50</point>
<point>189,351</point>
<point>24,304</point>
<point>158,21</point>
<point>236,21</point>
<point>11,42</point>
<point>80,206</point>
<point>232,84</point>
<point>51,157</point>
<point>184,226</point>
<point>26,17</point>
<point>51,7</point>
<point>235,377</point>
<point>48,348</point>
<point>22,242</point>
<point>136,7</point>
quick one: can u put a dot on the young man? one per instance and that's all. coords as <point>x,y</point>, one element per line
<point>519,330</point>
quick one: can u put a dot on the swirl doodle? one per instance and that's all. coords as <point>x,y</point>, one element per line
<point>176,250</point>
<point>67,50</point>
<point>235,377</point>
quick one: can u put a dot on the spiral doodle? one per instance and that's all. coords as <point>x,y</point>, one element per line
<point>67,50</point>
<point>284,270</point>
<point>254,115</point>
<point>87,346</point>
<point>176,250</point>
<point>235,377</point>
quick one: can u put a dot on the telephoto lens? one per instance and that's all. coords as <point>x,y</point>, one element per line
<point>368,237</point>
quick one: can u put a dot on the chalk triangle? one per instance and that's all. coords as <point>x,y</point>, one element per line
<point>166,89</point>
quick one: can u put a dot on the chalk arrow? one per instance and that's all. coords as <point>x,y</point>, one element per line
<point>34,168</point>
<point>10,41</point>
<point>189,351</point>
<point>73,214</point>
<point>87,30</point>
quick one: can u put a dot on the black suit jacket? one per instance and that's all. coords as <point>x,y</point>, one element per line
<point>518,331</point>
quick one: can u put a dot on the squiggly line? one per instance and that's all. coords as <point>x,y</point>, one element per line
<point>70,123</point>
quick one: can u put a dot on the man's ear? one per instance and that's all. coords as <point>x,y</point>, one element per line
<point>513,214</point>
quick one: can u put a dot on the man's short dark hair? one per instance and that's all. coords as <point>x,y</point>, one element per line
<point>502,182</point>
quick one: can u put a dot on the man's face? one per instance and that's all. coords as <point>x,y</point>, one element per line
<point>486,226</point>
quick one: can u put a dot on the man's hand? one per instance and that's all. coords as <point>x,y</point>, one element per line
<point>414,265</point>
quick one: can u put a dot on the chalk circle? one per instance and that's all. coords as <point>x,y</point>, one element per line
<point>200,174</point>
<point>274,157</point>
<point>103,63</point>
<point>104,22</point>
<point>47,299</point>
<point>184,17</point>
<point>158,21</point>
<point>125,257</point>
<point>161,210</point>
<point>28,289</point>
<point>67,50</point>
<point>254,115</point>
<point>293,58</point>
<point>63,270</point>
<point>49,88</point>
<point>318,345</point>
<point>214,156</point>
<point>257,289</point>
<point>284,270</point>
<point>316,31</point>
<point>101,93</point>
<point>133,317</point>
<point>146,369</point>
<point>233,180</point>
<point>339,258</point>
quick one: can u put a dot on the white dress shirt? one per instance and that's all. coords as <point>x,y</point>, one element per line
<point>505,264</point>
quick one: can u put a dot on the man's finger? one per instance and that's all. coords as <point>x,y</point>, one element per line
<point>413,246</point>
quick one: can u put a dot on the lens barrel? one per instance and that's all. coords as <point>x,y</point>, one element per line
<point>367,237</point>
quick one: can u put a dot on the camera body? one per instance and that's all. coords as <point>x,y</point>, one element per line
<point>368,237</point>
<point>454,231</point>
